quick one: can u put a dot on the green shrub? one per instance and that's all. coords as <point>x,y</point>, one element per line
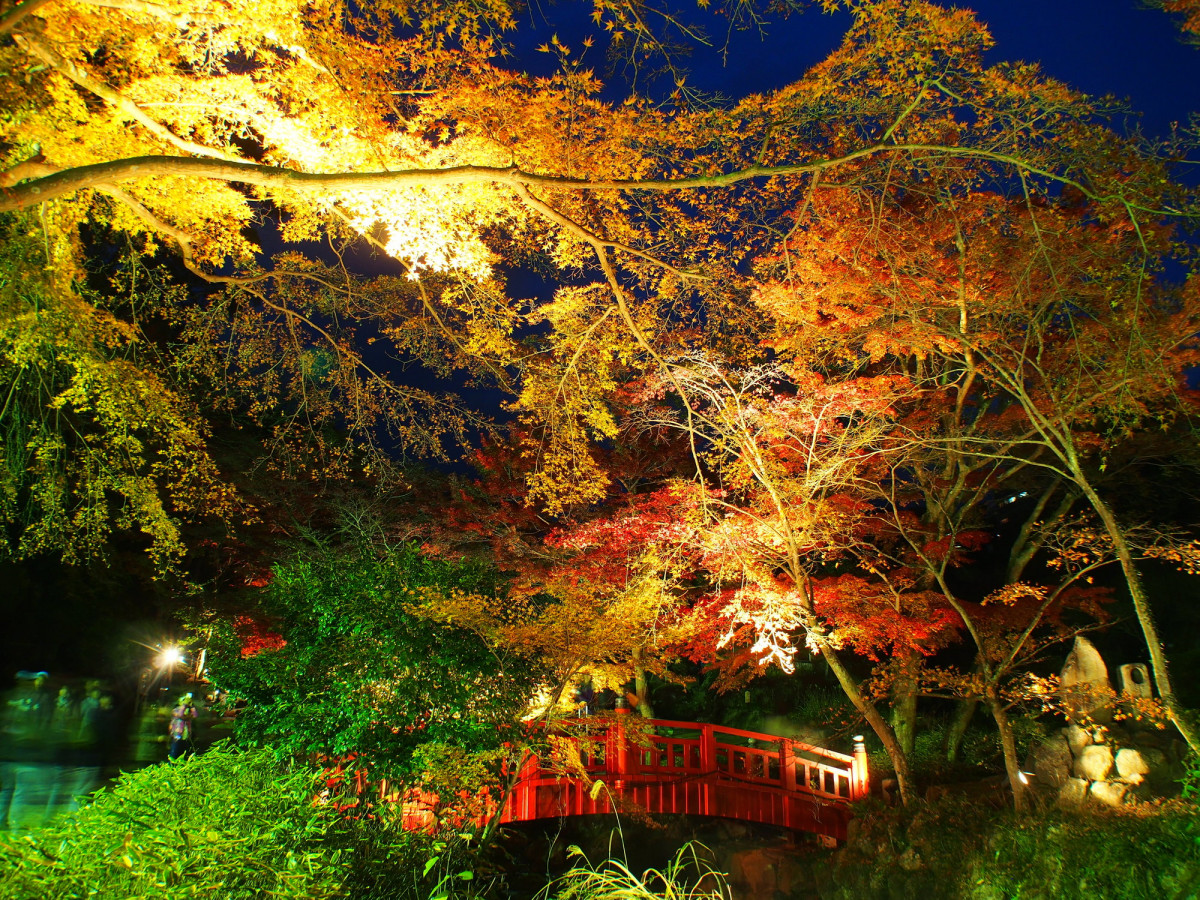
<point>952,849</point>
<point>229,824</point>
<point>1189,784</point>
<point>1139,854</point>
<point>363,673</point>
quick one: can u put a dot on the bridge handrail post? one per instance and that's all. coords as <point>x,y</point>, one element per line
<point>618,761</point>
<point>708,749</point>
<point>860,778</point>
<point>787,765</point>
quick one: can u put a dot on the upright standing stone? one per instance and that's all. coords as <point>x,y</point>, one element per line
<point>1084,688</point>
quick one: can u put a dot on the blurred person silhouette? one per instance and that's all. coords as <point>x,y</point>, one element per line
<point>182,727</point>
<point>28,772</point>
<point>83,759</point>
<point>585,697</point>
<point>92,693</point>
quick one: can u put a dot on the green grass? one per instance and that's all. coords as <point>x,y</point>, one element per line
<point>689,876</point>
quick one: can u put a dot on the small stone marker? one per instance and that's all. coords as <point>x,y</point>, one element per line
<point>1134,680</point>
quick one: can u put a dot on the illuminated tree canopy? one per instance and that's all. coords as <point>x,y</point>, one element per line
<point>909,259</point>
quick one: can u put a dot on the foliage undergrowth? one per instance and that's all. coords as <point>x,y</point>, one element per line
<point>953,848</point>
<point>1190,782</point>
<point>980,751</point>
<point>231,824</point>
<point>688,876</point>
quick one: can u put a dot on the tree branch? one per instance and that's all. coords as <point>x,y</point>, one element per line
<point>71,180</point>
<point>13,17</point>
<point>117,100</point>
<point>595,240</point>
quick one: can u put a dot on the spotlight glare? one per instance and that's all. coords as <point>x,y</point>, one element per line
<point>171,656</point>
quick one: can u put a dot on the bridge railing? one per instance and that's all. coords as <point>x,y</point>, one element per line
<point>661,749</point>
<point>676,767</point>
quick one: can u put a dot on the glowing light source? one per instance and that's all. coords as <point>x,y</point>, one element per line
<point>170,656</point>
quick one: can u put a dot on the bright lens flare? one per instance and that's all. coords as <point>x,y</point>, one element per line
<point>170,656</point>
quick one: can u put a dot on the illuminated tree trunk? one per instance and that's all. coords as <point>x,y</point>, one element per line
<point>904,701</point>
<point>1008,744</point>
<point>862,703</point>
<point>1141,605</point>
<point>640,687</point>
<point>878,724</point>
<point>964,712</point>
<point>1026,545</point>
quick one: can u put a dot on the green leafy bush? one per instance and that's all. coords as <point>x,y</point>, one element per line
<point>955,849</point>
<point>362,672</point>
<point>1189,784</point>
<point>230,824</point>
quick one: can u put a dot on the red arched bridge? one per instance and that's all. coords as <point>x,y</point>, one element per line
<point>685,768</point>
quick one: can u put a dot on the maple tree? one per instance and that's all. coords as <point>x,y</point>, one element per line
<point>602,599</point>
<point>1041,317</point>
<point>177,127</point>
<point>1187,12</point>
<point>84,419</point>
<point>789,281</point>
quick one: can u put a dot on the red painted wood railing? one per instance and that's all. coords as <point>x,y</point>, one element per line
<point>687,768</point>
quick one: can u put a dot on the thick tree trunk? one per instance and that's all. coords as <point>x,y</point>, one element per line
<point>964,711</point>
<point>1141,605</point>
<point>1008,744</point>
<point>904,702</point>
<point>641,688</point>
<point>878,724</point>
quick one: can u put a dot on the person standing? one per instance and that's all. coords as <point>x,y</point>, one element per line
<point>182,728</point>
<point>27,767</point>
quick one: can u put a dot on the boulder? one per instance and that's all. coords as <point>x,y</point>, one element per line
<point>1132,767</point>
<point>1073,792</point>
<point>1050,761</point>
<point>1163,778</point>
<point>1084,688</point>
<point>1077,738</point>
<point>1108,793</point>
<point>765,871</point>
<point>1094,763</point>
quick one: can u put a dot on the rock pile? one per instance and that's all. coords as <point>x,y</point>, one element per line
<point>1094,759</point>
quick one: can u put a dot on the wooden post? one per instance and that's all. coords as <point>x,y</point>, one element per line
<point>860,772</point>
<point>617,761</point>
<point>787,765</point>
<point>708,765</point>
<point>708,750</point>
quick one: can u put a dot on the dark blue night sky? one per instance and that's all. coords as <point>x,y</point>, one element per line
<point>1117,47</point>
